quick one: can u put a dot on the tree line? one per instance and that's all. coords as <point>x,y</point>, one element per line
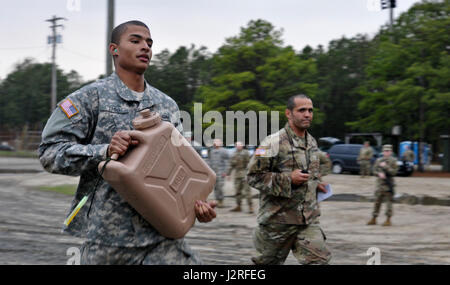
<point>400,77</point>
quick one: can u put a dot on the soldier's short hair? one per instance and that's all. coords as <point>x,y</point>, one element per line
<point>291,101</point>
<point>118,31</point>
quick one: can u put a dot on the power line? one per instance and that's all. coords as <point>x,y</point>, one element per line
<point>54,40</point>
<point>13,48</point>
<point>82,55</point>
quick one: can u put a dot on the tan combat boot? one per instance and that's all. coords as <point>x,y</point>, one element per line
<point>373,221</point>
<point>387,223</point>
<point>220,204</point>
<point>236,209</point>
<point>250,211</point>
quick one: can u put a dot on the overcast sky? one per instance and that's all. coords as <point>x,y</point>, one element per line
<point>173,23</point>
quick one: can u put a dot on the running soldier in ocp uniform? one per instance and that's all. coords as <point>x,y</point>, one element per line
<point>286,170</point>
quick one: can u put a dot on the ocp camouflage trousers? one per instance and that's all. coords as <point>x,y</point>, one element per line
<point>364,167</point>
<point>273,242</point>
<point>167,252</point>
<point>242,191</point>
<point>381,196</point>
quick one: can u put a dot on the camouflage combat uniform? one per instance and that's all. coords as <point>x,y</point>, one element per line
<point>325,163</point>
<point>382,192</point>
<point>115,233</point>
<point>364,157</point>
<point>409,156</point>
<point>288,216</point>
<point>239,162</point>
<point>218,161</point>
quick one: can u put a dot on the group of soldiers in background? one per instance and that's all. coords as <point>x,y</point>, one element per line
<point>223,166</point>
<point>384,168</point>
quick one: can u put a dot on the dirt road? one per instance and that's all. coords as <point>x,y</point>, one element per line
<point>30,222</point>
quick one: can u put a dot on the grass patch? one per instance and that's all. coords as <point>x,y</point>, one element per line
<point>63,189</point>
<point>22,153</point>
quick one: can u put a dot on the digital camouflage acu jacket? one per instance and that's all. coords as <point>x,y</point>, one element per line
<point>75,146</point>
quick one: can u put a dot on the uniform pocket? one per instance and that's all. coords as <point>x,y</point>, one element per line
<point>113,119</point>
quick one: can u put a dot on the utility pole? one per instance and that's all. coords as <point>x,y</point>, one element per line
<point>53,39</point>
<point>391,4</point>
<point>109,28</point>
<point>391,18</point>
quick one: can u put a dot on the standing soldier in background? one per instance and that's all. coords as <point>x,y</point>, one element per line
<point>239,162</point>
<point>218,159</point>
<point>385,169</point>
<point>408,155</point>
<point>365,155</point>
<point>286,170</point>
<point>325,163</point>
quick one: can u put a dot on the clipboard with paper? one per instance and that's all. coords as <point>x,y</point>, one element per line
<point>322,196</point>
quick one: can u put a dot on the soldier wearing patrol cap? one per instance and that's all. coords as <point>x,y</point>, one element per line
<point>385,168</point>
<point>90,125</point>
<point>286,170</point>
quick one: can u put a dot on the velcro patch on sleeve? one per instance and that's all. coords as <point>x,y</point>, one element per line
<point>260,152</point>
<point>68,108</point>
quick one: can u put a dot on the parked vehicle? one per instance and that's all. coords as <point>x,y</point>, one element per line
<point>251,149</point>
<point>344,157</point>
<point>405,168</point>
<point>325,143</point>
<point>6,146</point>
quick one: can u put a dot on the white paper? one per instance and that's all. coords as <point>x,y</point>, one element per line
<point>322,196</point>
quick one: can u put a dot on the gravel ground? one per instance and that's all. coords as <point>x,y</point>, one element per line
<point>30,222</point>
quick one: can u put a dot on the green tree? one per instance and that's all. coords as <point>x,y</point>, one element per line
<point>180,74</point>
<point>340,73</point>
<point>25,94</point>
<point>254,71</point>
<point>408,80</point>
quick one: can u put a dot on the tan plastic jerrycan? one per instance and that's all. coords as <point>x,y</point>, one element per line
<point>162,177</point>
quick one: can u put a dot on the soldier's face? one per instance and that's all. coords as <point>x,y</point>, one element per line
<point>301,115</point>
<point>387,153</point>
<point>134,50</point>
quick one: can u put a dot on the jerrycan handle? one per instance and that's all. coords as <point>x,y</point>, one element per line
<point>147,119</point>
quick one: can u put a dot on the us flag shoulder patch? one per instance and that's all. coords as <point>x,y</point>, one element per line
<point>260,152</point>
<point>68,108</point>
